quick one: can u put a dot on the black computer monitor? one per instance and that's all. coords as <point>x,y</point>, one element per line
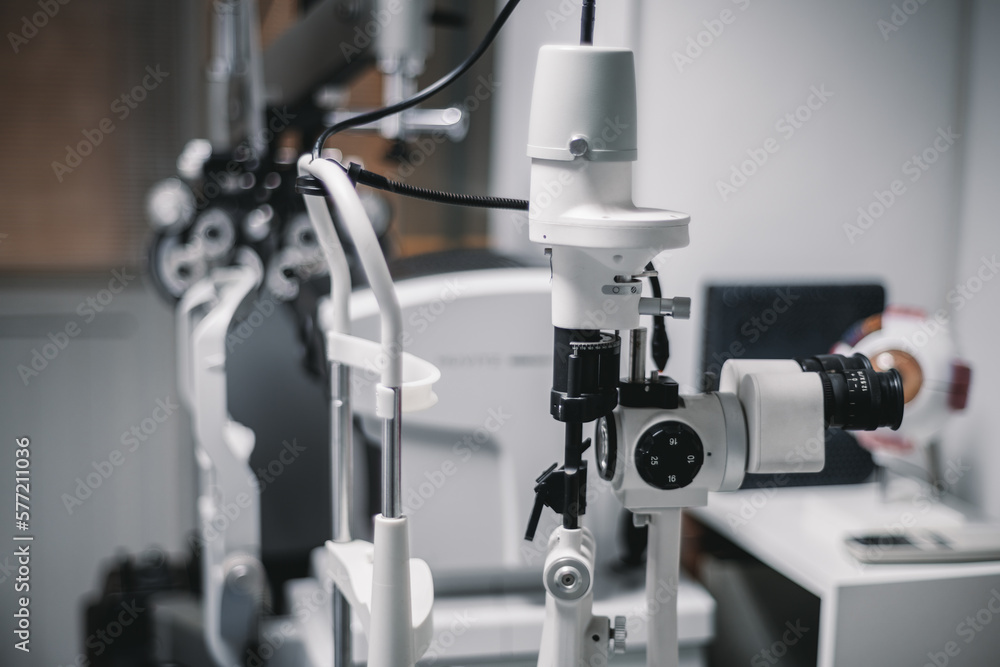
<point>783,321</point>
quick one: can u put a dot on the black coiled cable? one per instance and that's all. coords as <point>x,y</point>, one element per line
<point>373,180</point>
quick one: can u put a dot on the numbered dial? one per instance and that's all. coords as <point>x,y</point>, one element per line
<point>669,455</point>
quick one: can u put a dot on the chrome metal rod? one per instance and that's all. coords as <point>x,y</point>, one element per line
<point>341,630</point>
<point>452,122</point>
<point>678,307</point>
<point>235,78</point>
<point>392,454</point>
<point>342,477</point>
<point>342,452</point>
<point>637,355</point>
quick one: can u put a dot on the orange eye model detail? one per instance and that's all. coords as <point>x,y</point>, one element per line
<point>913,377</point>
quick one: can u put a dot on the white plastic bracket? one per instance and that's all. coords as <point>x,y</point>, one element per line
<point>351,566</point>
<point>570,625</point>
<point>419,375</point>
<point>222,448</point>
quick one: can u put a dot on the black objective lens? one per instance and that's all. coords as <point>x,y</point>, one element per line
<point>835,363</point>
<point>855,396</point>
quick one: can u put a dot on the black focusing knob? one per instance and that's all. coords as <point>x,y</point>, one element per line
<point>669,455</point>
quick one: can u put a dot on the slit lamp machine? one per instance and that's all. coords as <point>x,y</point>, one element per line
<point>660,451</point>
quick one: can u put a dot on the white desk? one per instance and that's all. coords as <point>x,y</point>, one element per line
<point>878,615</point>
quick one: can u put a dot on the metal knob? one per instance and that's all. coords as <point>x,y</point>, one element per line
<point>578,146</point>
<point>619,636</point>
<point>567,578</point>
<point>679,307</point>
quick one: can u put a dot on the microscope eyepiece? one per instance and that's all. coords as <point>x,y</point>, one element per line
<point>855,396</point>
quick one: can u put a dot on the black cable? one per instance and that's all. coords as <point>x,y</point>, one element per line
<point>373,180</point>
<point>437,86</point>
<point>587,17</point>
<point>660,342</point>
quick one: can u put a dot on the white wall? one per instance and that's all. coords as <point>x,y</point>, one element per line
<point>976,321</point>
<point>787,222</point>
<point>891,93</point>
